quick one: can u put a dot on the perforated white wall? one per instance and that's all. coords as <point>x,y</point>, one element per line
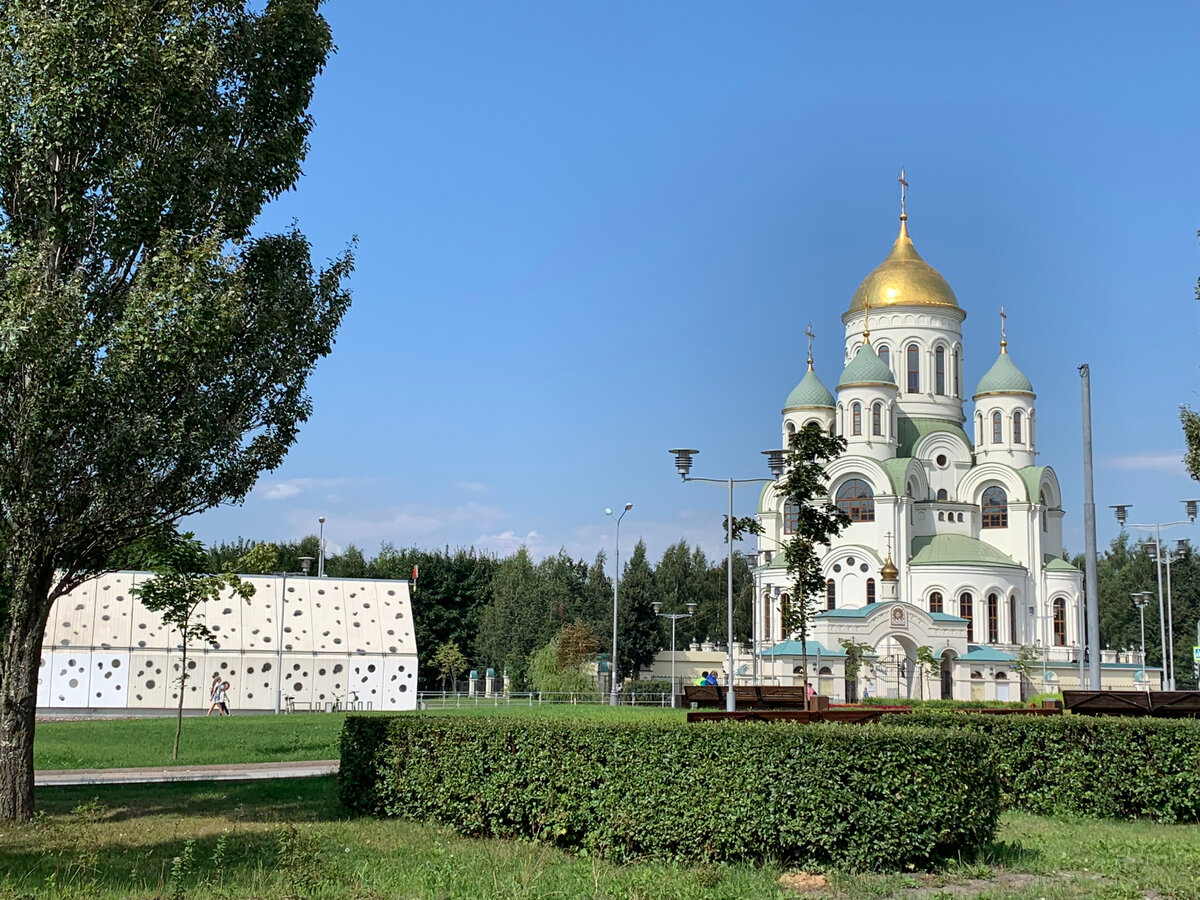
<point>343,640</point>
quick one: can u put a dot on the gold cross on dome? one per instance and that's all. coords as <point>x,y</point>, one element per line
<point>888,537</point>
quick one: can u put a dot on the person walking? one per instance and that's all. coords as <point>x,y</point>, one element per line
<point>213,689</point>
<point>223,697</point>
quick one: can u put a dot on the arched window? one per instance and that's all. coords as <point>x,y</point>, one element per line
<point>995,508</point>
<point>978,429</point>
<point>1060,622</point>
<point>766,618</point>
<point>997,429</point>
<point>914,369</point>
<point>954,363</point>
<point>1042,503</point>
<point>856,418</point>
<point>965,610</point>
<point>785,614</point>
<point>885,355</point>
<point>941,515</point>
<point>1017,427</point>
<point>870,590</point>
<point>993,619</point>
<point>830,594</point>
<point>877,419</point>
<point>935,602</point>
<point>856,499</point>
<point>942,495</point>
<point>791,518</point>
<point>791,431</point>
<point>1012,619</point>
<point>939,370</point>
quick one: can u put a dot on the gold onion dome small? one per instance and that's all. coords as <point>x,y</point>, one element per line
<point>903,279</point>
<point>889,572</point>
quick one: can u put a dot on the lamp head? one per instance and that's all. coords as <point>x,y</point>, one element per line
<point>628,507</point>
<point>775,462</point>
<point>1121,510</point>
<point>691,607</point>
<point>683,461</point>
<point>321,519</point>
<point>1190,506</point>
<point>657,606</point>
<point>306,564</point>
<point>607,511</point>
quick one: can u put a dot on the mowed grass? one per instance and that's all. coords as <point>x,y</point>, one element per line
<point>128,743</point>
<point>291,839</point>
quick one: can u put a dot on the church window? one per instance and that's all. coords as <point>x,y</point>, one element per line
<point>885,355</point>
<point>997,429</point>
<point>1017,427</point>
<point>870,590</point>
<point>954,364</point>
<point>1042,503</point>
<point>856,499</point>
<point>914,371</point>
<point>766,620</point>
<point>965,604</point>
<point>942,495</point>
<point>791,518</point>
<point>856,418</point>
<point>785,615</point>
<point>935,602</point>
<point>993,619</point>
<point>1012,619</point>
<point>939,370</point>
<point>995,508</point>
<point>941,516</point>
<point>830,594</point>
<point>1060,622</point>
<point>877,420</point>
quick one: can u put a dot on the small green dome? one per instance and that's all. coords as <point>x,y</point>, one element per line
<point>866,368</point>
<point>809,394</point>
<point>1003,378</point>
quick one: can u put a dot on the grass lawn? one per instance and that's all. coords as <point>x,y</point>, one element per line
<point>290,839</point>
<point>123,743</point>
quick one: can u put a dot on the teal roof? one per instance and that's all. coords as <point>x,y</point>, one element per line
<point>866,368</point>
<point>896,469</point>
<point>946,617</point>
<point>793,648</point>
<point>1032,478</point>
<point>981,653</point>
<point>809,394</point>
<point>958,549</point>
<point>1058,564</point>
<point>909,432</point>
<point>1004,378</point>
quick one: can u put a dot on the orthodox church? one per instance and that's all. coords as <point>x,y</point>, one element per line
<point>955,535</point>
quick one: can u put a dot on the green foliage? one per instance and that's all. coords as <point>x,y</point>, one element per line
<point>863,798</point>
<point>1102,767</point>
<point>449,661</point>
<point>551,671</point>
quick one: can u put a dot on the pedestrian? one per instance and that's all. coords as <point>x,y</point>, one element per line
<point>220,698</point>
<point>702,680</point>
<point>213,688</point>
<point>711,678</point>
<point>225,697</point>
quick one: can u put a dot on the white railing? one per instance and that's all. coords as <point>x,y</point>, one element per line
<point>457,700</point>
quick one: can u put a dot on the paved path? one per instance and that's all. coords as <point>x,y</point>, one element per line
<point>225,772</point>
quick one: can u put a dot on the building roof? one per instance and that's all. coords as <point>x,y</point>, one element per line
<point>910,431</point>
<point>809,394</point>
<point>958,550</point>
<point>1003,378</point>
<point>866,368</point>
<point>903,279</point>
<point>983,653</point>
<point>1058,564</point>
<point>794,648</point>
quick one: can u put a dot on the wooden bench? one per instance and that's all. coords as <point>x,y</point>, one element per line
<point>751,696</point>
<point>1159,704</point>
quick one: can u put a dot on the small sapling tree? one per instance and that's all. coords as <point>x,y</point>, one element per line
<point>450,661</point>
<point>175,591</point>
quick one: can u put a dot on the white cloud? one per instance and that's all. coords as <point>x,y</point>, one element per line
<point>1170,461</point>
<point>293,487</point>
<point>281,490</point>
<point>507,543</point>
<point>473,487</point>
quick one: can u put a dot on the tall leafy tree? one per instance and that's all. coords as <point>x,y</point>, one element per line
<point>153,352</point>
<point>819,519</point>
<point>638,636</point>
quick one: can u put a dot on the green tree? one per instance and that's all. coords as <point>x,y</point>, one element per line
<point>857,655</point>
<point>638,636</point>
<point>176,590</point>
<point>154,353</point>
<point>449,661</point>
<point>1028,661</point>
<point>927,665</point>
<point>803,485</point>
<point>557,668</point>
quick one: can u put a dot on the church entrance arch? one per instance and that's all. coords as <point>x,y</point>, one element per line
<point>894,671</point>
<point>948,658</point>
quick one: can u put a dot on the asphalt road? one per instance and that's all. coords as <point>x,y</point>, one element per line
<point>151,775</point>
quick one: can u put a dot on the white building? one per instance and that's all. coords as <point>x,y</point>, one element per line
<point>955,541</point>
<point>313,641</point>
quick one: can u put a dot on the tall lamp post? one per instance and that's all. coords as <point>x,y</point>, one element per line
<point>1164,614</point>
<point>612,669</point>
<point>683,465</point>
<point>674,617</point>
<point>1140,599</point>
<point>305,569</point>
<point>321,548</point>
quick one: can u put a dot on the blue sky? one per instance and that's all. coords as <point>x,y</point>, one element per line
<point>592,231</point>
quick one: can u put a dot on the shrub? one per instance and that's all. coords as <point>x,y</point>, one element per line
<point>861,798</point>
<point>1096,766</point>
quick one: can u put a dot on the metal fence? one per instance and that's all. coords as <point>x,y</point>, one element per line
<point>458,700</point>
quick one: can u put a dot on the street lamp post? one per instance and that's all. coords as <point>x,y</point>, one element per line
<point>612,668</point>
<point>306,567</point>
<point>674,617</point>
<point>321,548</point>
<point>1164,613</point>
<point>683,465</point>
<point>1140,599</point>
<point>755,618</point>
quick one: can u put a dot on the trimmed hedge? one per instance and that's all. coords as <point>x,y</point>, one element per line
<point>1095,766</point>
<point>861,798</point>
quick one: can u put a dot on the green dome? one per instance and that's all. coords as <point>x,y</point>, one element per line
<point>809,394</point>
<point>1003,378</point>
<point>866,368</point>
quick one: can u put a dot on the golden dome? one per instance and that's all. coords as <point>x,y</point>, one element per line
<point>903,279</point>
<point>889,572</point>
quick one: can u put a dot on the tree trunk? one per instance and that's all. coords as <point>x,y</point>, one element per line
<point>19,664</point>
<point>179,713</point>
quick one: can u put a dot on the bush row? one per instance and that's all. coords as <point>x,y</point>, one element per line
<point>1096,766</point>
<point>862,798</point>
